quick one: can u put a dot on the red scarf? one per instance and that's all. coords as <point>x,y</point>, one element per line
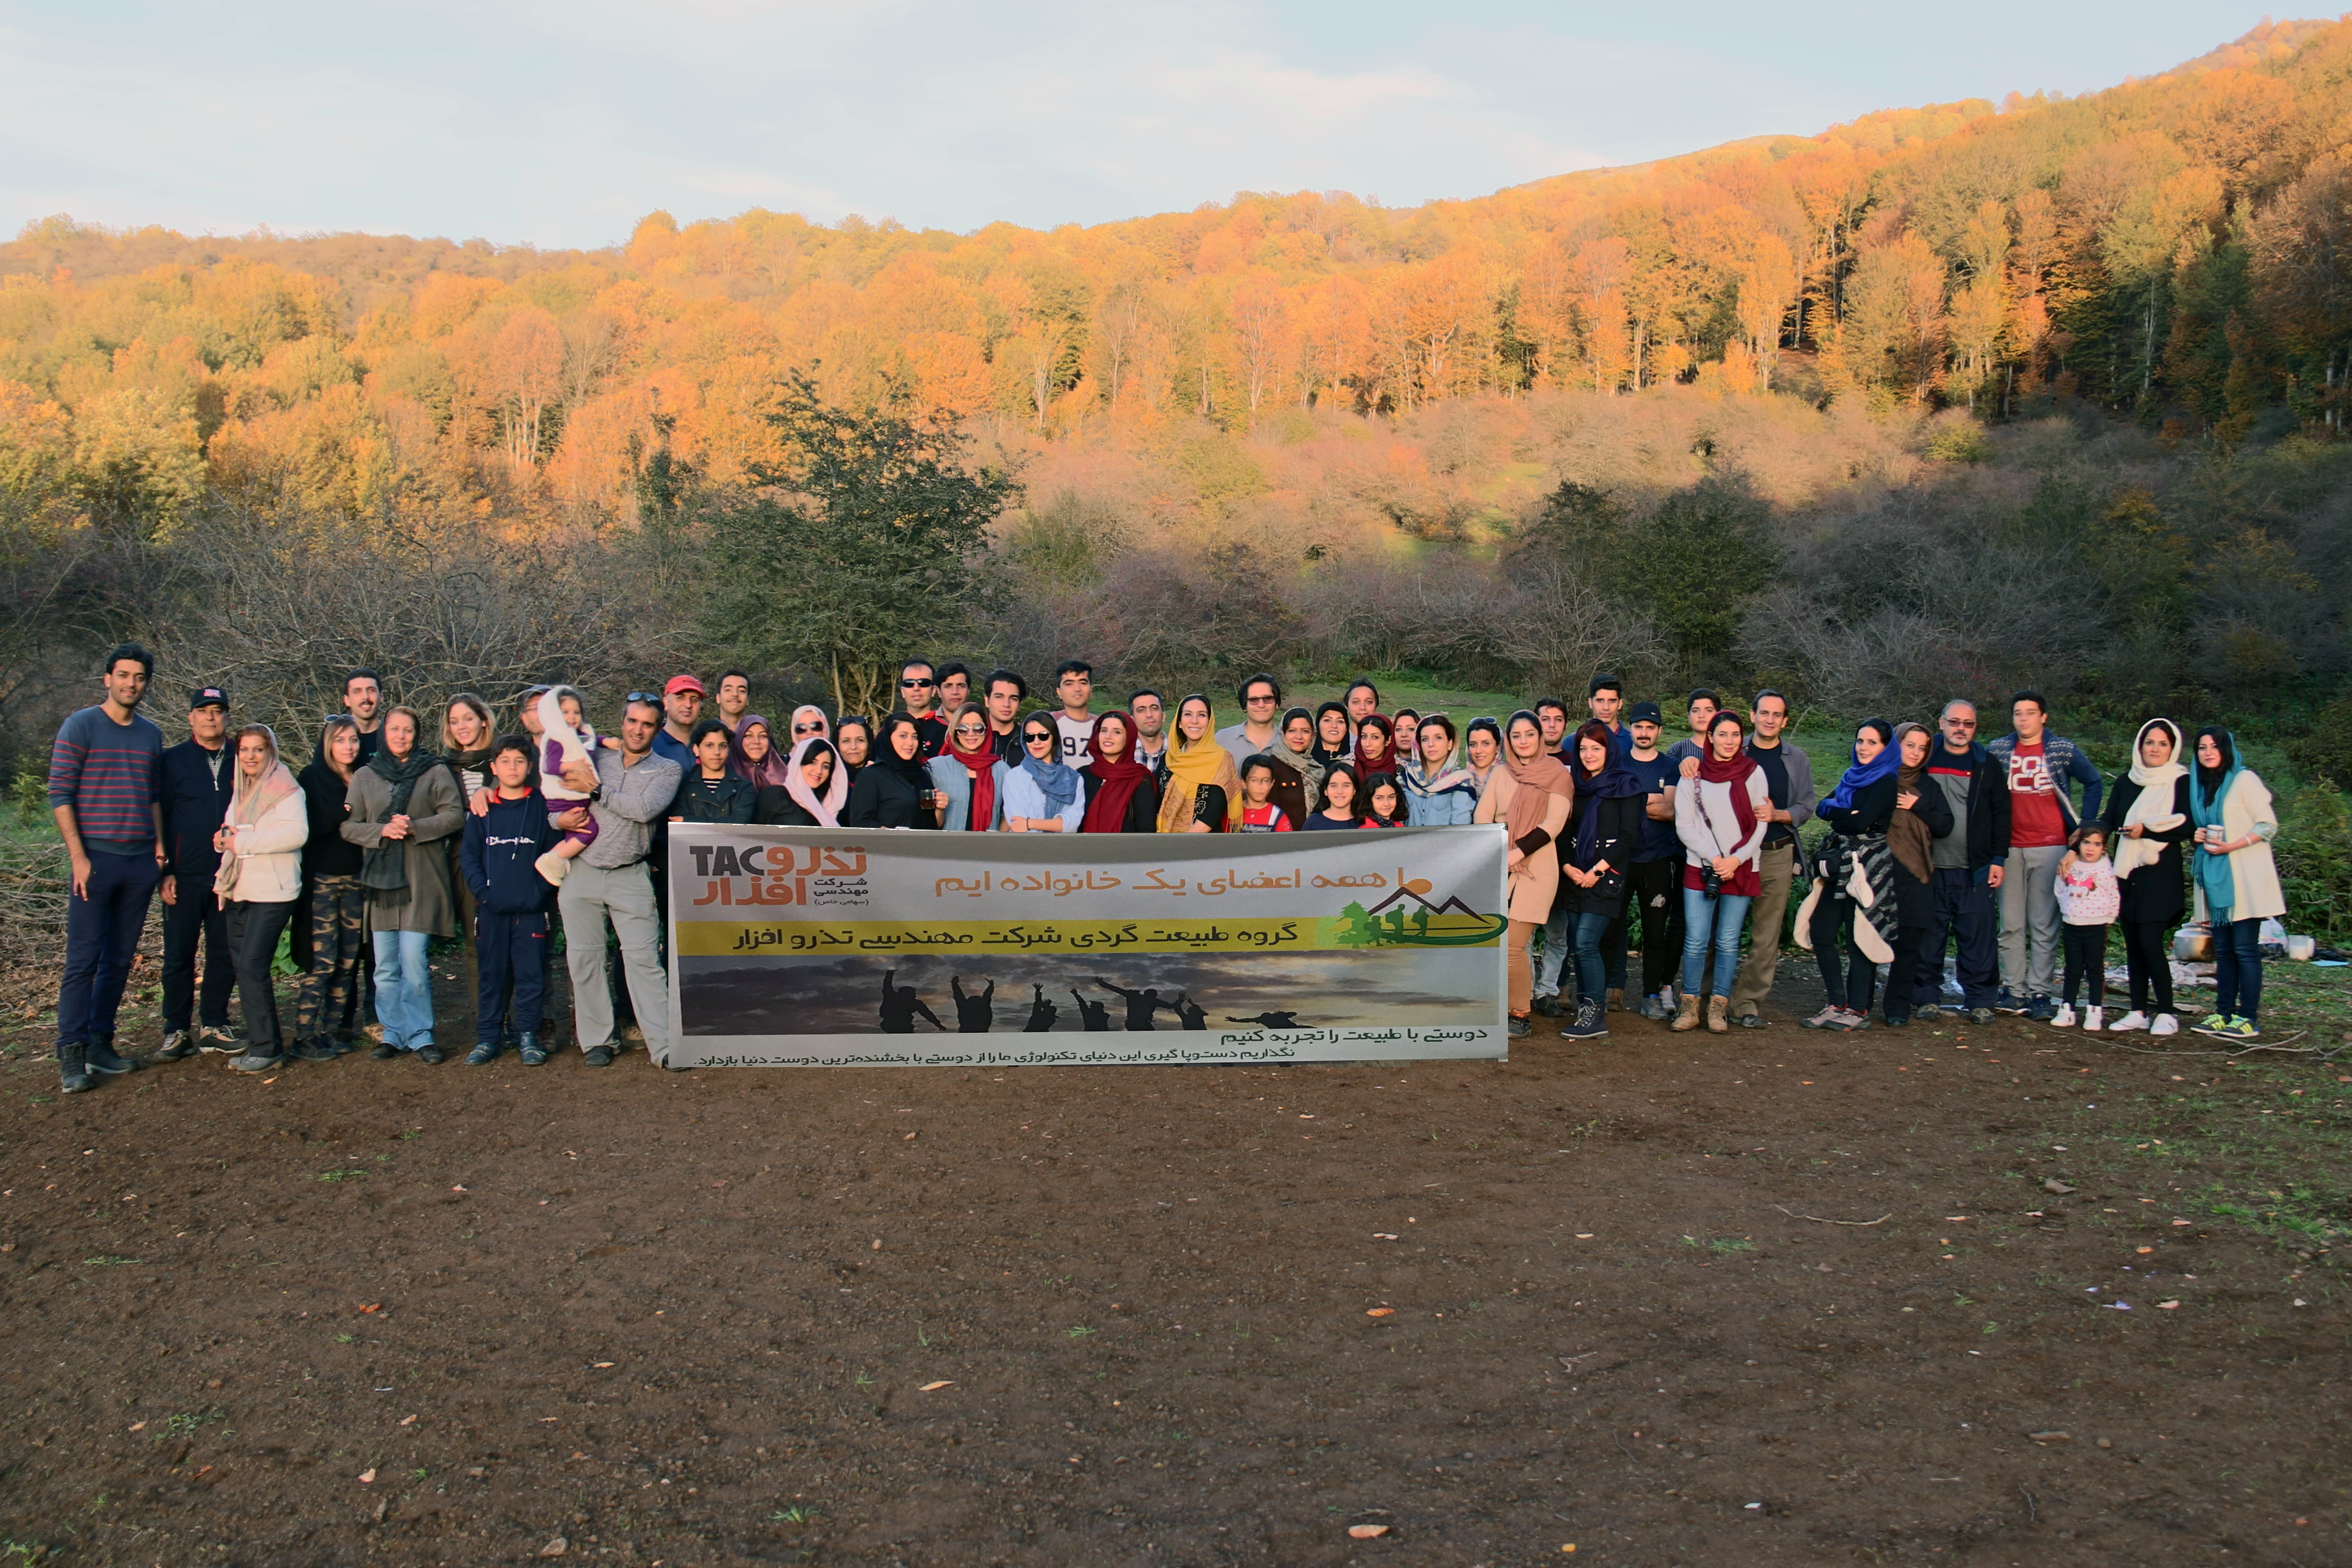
<point>1735,774</point>
<point>1115,782</point>
<point>982,766</point>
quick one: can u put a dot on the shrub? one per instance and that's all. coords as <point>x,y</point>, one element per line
<point>2313,850</point>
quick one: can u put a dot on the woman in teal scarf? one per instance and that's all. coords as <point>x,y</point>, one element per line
<point>2237,881</point>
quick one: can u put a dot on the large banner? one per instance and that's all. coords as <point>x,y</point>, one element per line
<point>813,947</point>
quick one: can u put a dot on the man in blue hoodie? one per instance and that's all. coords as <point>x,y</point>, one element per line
<point>501,848</point>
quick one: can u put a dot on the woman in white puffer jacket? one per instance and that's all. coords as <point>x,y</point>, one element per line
<point>259,883</point>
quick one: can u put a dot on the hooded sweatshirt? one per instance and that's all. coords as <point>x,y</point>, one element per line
<point>500,850</point>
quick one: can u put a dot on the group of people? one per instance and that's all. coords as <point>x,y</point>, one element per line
<point>383,841</point>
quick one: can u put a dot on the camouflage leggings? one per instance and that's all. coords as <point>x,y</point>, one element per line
<point>328,1001</point>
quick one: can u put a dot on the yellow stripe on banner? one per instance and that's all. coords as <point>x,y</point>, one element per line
<point>726,938</point>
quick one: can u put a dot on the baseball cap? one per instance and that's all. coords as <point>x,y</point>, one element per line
<point>678,683</point>
<point>208,697</point>
<point>1644,713</point>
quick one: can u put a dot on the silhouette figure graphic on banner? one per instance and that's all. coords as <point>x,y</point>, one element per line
<point>900,1005</point>
<point>975,1014</point>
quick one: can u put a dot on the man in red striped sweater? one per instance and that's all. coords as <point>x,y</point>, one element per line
<point>102,792</point>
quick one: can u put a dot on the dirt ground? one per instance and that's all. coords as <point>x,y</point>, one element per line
<point>1770,1297</point>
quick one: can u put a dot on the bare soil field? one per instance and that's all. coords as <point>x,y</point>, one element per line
<point>2009,1296</point>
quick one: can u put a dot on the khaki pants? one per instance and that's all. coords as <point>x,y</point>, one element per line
<point>590,896</point>
<point>1520,973</point>
<point>1772,915</point>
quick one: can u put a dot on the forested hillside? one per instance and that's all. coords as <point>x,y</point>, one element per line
<point>1967,392</point>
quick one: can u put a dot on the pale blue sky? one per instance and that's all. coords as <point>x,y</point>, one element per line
<point>562,124</point>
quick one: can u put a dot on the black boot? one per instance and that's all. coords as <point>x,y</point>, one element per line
<point>1589,1023</point>
<point>73,1073</point>
<point>533,1053</point>
<point>100,1056</point>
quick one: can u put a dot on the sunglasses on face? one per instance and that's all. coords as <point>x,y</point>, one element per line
<point>1034,738</point>
<point>968,729</point>
<point>915,685</point>
<point>1262,701</point>
<point>808,728</point>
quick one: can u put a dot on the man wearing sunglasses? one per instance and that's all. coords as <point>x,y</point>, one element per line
<point>919,697</point>
<point>1261,697</point>
<point>1967,869</point>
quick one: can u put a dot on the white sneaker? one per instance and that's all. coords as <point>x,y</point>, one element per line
<point>2065,1018</point>
<point>2092,1018</point>
<point>2165,1023</point>
<point>2130,1021</point>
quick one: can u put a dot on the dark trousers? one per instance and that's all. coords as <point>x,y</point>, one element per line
<point>1909,940</point>
<point>2237,968</point>
<point>253,934</point>
<point>2149,958</point>
<point>1613,951</point>
<point>1654,898</point>
<point>197,916</point>
<point>1963,915</point>
<point>1585,935</point>
<point>101,938</point>
<point>2086,948</point>
<point>511,951</point>
<point>1853,983</point>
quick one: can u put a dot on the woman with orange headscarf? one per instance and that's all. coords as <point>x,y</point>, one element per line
<point>1203,792</point>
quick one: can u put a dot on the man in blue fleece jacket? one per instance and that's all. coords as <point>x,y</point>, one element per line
<point>499,853</point>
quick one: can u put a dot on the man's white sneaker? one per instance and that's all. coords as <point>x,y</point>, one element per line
<point>2064,1018</point>
<point>2130,1021</point>
<point>2093,1017</point>
<point>2165,1023</point>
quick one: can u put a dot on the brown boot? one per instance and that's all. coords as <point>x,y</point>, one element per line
<point>1616,999</point>
<point>1717,1011</point>
<point>1686,1014</point>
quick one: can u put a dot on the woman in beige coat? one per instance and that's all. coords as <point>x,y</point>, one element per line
<point>259,883</point>
<point>401,805</point>
<point>1530,793</point>
<point>2237,881</point>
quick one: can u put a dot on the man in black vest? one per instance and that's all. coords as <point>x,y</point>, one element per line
<point>193,782</point>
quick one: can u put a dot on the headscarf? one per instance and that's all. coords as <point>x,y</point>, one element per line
<point>1327,755</point>
<point>1371,782</point>
<point>882,754</point>
<point>1908,838</point>
<point>1114,782</point>
<point>1733,772</point>
<point>827,811</point>
<point>770,769</point>
<point>1860,775</point>
<point>864,728</point>
<point>1305,764</point>
<point>1493,727</point>
<point>2208,798</point>
<point>1615,781</point>
<point>1193,763</point>
<point>2151,809</point>
<point>1054,778</point>
<point>384,872</point>
<point>1387,759</point>
<point>980,766</point>
<point>1413,780</point>
<point>824,731</point>
<point>276,784</point>
<point>1545,775</point>
<point>1404,737</point>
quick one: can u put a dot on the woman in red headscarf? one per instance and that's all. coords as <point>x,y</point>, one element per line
<point>968,773</point>
<point>1122,797</point>
<point>1375,745</point>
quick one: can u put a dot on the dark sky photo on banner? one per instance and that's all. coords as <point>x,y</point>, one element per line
<point>1425,988</point>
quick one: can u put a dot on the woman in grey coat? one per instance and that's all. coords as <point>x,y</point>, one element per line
<point>402,803</point>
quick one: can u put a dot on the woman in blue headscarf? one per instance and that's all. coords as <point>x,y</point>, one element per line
<point>2237,881</point>
<point>1854,875</point>
<point>1043,795</point>
<point>1604,821</point>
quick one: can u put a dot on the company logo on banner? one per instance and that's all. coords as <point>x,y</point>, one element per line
<point>846,948</point>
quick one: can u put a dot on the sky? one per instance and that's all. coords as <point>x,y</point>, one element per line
<point>561,124</point>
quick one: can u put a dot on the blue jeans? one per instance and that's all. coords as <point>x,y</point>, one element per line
<point>1711,922</point>
<point>101,937</point>
<point>403,989</point>
<point>1591,966</point>
<point>2238,968</point>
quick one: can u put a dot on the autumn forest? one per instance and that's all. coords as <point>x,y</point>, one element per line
<point>1961,395</point>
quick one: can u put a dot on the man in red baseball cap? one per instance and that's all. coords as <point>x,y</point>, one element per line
<point>681,706</point>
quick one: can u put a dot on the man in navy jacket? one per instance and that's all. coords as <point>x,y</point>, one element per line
<point>194,781</point>
<point>500,855</point>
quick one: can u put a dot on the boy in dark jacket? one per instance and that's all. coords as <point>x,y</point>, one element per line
<point>500,855</point>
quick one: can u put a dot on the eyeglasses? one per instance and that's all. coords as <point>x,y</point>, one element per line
<point>653,696</point>
<point>1961,723</point>
<point>1262,701</point>
<point>915,685</point>
<point>808,728</point>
